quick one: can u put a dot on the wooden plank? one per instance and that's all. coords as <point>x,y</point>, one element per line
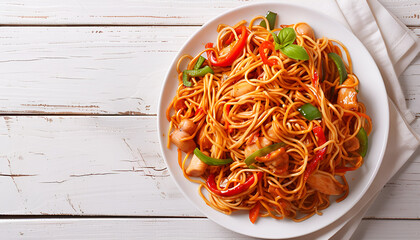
<point>85,166</point>
<point>387,229</point>
<point>112,166</point>
<point>411,86</point>
<point>165,12</point>
<point>408,11</point>
<point>100,70</point>
<point>167,228</point>
<point>400,195</point>
<point>80,228</point>
<point>85,70</point>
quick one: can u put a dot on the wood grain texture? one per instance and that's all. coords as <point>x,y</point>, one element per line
<point>167,228</point>
<point>408,11</point>
<point>101,70</point>
<point>112,166</point>
<point>127,12</point>
<point>387,229</point>
<point>58,59</point>
<point>85,166</point>
<point>85,70</point>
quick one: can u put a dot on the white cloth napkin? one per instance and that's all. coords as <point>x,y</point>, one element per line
<point>393,46</point>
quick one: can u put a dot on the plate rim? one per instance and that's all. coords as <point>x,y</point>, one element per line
<point>163,132</point>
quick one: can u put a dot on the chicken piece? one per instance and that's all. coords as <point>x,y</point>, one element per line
<point>178,138</point>
<point>196,167</point>
<point>242,88</point>
<point>188,126</point>
<point>347,96</point>
<point>324,183</point>
<point>271,133</point>
<point>277,159</point>
<point>305,29</point>
<point>250,149</point>
<point>352,144</point>
<point>261,142</point>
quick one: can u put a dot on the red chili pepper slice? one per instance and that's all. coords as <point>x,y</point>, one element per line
<point>227,109</point>
<point>254,212</point>
<point>199,111</point>
<point>315,80</point>
<point>211,184</point>
<point>234,52</point>
<point>319,133</point>
<point>267,45</point>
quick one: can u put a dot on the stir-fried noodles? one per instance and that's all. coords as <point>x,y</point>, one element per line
<point>270,121</point>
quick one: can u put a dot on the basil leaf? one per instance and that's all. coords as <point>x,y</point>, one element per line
<point>277,46</point>
<point>295,52</point>
<point>276,39</point>
<point>287,36</point>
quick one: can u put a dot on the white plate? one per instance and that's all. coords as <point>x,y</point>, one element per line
<point>372,93</point>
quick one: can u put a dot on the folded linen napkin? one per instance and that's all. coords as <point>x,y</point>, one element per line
<point>391,44</point>
<point>393,47</point>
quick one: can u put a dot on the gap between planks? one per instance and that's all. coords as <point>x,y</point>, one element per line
<point>110,25</point>
<point>66,216</point>
<point>414,26</point>
<point>133,114</point>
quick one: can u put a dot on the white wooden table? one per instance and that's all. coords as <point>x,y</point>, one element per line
<point>79,152</point>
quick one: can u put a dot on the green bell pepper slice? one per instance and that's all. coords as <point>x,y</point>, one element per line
<point>310,112</point>
<point>199,62</point>
<point>271,18</point>
<point>363,141</point>
<point>340,66</point>
<point>194,73</point>
<point>209,160</point>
